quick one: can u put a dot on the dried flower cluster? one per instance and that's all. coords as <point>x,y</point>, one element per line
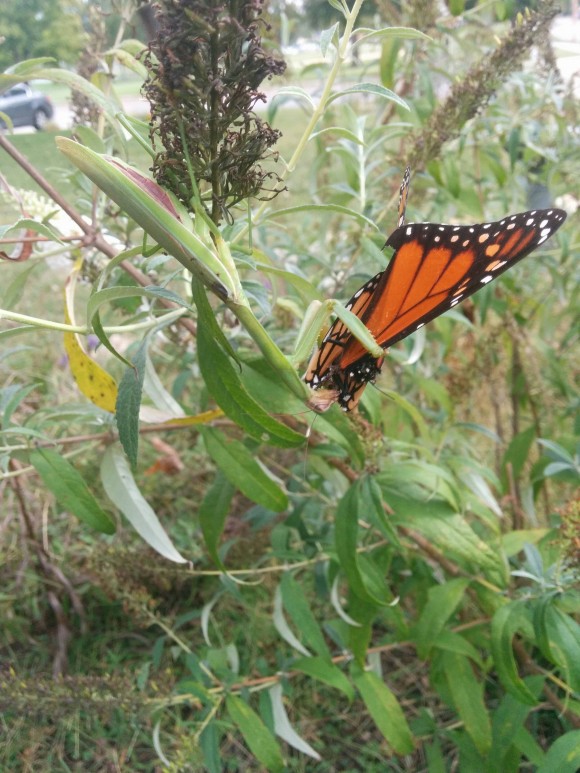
<point>205,68</point>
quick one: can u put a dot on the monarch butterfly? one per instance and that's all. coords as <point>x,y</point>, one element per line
<point>434,267</point>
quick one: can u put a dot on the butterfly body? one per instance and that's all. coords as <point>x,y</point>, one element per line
<point>434,267</point>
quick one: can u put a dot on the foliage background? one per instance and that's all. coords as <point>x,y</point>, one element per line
<point>416,540</point>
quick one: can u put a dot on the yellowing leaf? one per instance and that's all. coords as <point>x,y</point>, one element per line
<point>94,382</point>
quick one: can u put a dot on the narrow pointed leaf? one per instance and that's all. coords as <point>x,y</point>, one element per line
<point>385,710</point>
<point>260,740</point>
<point>563,756</point>
<point>442,602</point>
<point>373,89</point>
<point>122,490</point>
<point>322,669</point>
<point>299,610</point>
<point>281,625</point>
<point>283,726</point>
<point>213,513</point>
<point>129,403</point>
<point>225,386</point>
<point>367,33</point>
<point>467,693</point>
<point>505,624</point>
<point>322,208</point>
<point>361,582</point>
<point>242,470</point>
<point>70,489</point>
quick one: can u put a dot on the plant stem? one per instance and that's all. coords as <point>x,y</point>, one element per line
<point>83,329</point>
<point>271,352</point>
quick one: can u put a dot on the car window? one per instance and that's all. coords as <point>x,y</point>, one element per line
<point>15,91</point>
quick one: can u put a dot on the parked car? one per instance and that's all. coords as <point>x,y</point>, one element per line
<point>26,107</point>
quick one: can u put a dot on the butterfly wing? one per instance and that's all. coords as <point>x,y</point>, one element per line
<point>338,337</point>
<point>435,267</point>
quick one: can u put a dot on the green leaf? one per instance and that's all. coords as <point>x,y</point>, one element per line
<point>373,89</point>
<point>559,639</point>
<point>303,287</point>
<point>329,37</point>
<point>385,710</point>
<point>449,531</point>
<point>11,397</point>
<point>90,138</point>
<point>514,541</point>
<point>260,740</point>
<point>442,602</point>
<point>467,693</point>
<point>129,61</point>
<point>322,669</point>
<point>225,386</point>
<point>299,610</point>
<point>12,291</point>
<point>122,490</point>
<point>362,583</point>
<point>339,131</point>
<point>240,467</point>
<point>213,512</point>
<point>129,403</point>
<point>454,642</point>
<point>22,68</point>
<point>506,622</point>
<point>508,721</point>
<point>281,625</point>
<point>26,223</point>
<point>294,92</point>
<point>367,33</point>
<point>70,489</point>
<point>563,756</point>
<point>321,208</point>
<point>456,7</point>
<point>372,504</point>
<point>209,742</point>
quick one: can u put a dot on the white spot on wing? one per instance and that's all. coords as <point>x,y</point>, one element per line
<point>486,279</point>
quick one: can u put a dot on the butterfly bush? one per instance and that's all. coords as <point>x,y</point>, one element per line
<point>205,69</point>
